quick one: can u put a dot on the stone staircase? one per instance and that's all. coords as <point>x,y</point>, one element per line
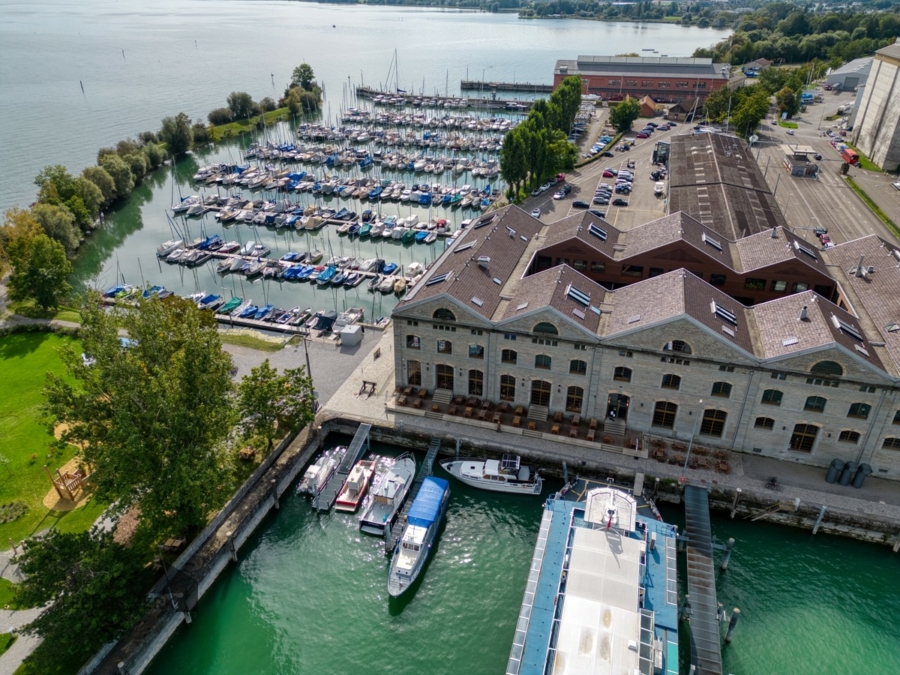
<point>538,413</point>
<point>442,396</point>
<point>614,428</point>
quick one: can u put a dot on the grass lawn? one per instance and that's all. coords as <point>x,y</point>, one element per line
<point>240,340</point>
<point>25,358</point>
<point>6,640</point>
<point>29,309</point>
<point>786,124</point>
<point>865,162</point>
<point>238,127</point>
<point>7,592</point>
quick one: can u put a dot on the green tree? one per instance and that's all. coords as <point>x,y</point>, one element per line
<point>624,114</point>
<point>220,116</point>
<point>303,76</point>
<point>241,104</point>
<point>300,100</point>
<point>55,182</point>
<point>79,211</point>
<point>155,154</point>
<point>58,223</point>
<point>788,101</point>
<point>100,177</point>
<point>512,160</point>
<point>152,419</point>
<point>17,223</point>
<point>747,114</point>
<point>39,270</point>
<point>91,195</point>
<point>267,104</point>
<point>273,405</point>
<point>138,164</point>
<point>121,174</point>
<point>91,588</point>
<point>177,134</point>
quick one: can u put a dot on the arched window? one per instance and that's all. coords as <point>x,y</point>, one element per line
<point>764,423</point>
<point>804,437</point>
<point>827,368</point>
<point>678,346</point>
<point>849,437</point>
<point>507,388</point>
<point>443,375</point>
<point>546,328</point>
<point>444,347</point>
<point>670,382</point>
<point>414,373</point>
<point>443,314</point>
<point>542,361</point>
<point>574,399</point>
<point>577,367</point>
<point>413,342</point>
<point>713,423</point>
<point>622,374</point>
<point>664,414</point>
<point>860,410</point>
<point>540,393</point>
<point>891,444</point>
<point>722,389</point>
<point>815,404</point>
<point>772,397</point>
<point>476,383</point>
<point>508,356</point>
<point>476,352</point>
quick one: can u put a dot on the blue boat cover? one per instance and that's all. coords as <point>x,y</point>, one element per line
<point>425,509</point>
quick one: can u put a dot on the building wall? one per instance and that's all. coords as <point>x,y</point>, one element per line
<point>712,360</point>
<point>658,87</point>
<point>877,130</point>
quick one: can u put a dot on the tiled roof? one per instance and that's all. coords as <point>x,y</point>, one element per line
<point>764,249</point>
<point>490,249</point>
<point>891,51</point>
<point>566,290</point>
<point>579,226</point>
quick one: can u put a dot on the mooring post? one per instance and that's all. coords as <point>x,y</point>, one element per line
<point>729,547</point>
<point>796,504</point>
<point>720,613</point>
<point>897,546</point>
<point>686,607</point>
<point>275,503</point>
<point>682,541</point>
<point>735,615</point>
<point>565,474</point>
<point>457,448</point>
<point>737,497</point>
<point>656,488</point>
<point>230,536</point>
<point>819,519</point>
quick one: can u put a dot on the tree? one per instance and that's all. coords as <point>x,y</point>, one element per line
<point>91,195</point>
<point>138,165</point>
<point>91,589</point>
<point>512,160</point>
<point>220,116</point>
<point>303,76</point>
<point>151,419</point>
<point>39,270</point>
<point>58,223</point>
<point>271,404</point>
<point>241,104</point>
<point>155,154</point>
<point>624,114</point>
<point>788,101</point>
<point>121,174</point>
<point>747,114</point>
<point>17,223</point>
<point>177,134</point>
<point>104,182</point>
<point>55,182</point>
<point>300,100</point>
<point>267,104</point>
<point>79,211</point>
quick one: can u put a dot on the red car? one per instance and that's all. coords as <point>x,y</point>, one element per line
<point>825,239</point>
<point>828,87</point>
<point>610,173</point>
<point>642,135</point>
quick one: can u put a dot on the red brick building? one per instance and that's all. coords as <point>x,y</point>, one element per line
<point>665,79</point>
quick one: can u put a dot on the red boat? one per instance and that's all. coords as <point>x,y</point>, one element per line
<point>355,487</point>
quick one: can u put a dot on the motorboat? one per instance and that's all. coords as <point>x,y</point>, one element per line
<point>422,524</point>
<point>167,247</point>
<point>386,285</point>
<point>507,474</point>
<point>387,497</point>
<point>318,473</point>
<point>354,489</point>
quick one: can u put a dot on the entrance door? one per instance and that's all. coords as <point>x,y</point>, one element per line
<point>444,376</point>
<point>618,404</point>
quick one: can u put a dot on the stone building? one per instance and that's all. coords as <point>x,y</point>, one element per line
<point>876,132</point>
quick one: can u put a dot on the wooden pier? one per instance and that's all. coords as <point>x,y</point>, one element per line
<point>524,87</point>
<point>486,103</point>
<point>358,447</point>
<point>392,535</point>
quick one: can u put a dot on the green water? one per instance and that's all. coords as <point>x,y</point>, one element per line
<point>309,596</point>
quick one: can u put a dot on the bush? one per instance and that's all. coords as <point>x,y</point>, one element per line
<point>267,104</point>
<point>201,132</point>
<point>220,116</point>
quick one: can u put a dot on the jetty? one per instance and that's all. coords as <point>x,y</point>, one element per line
<point>524,87</point>
<point>706,652</point>
<point>358,447</point>
<point>393,535</point>
<point>436,101</point>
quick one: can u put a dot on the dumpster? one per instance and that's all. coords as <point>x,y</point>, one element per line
<point>847,473</point>
<point>834,471</point>
<point>863,471</point>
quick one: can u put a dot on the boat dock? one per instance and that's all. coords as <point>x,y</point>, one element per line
<point>706,652</point>
<point>524,87</point>
<point>418,100</point>
<point>358,447</point>
<point>394,533</point>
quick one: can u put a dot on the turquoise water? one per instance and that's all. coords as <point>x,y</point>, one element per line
<point>309,595</point>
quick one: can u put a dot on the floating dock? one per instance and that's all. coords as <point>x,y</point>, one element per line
<point>524,87</point>
<point>491,103</point>
<point>358,447</point>
<point>706,652</point>
<point>396,531</point>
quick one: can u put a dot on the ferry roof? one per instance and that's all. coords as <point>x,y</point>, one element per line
<point>425,509</point>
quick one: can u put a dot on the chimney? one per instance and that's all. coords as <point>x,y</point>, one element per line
<point>804,314</point>
<point>484,261</point>
<point>860,270</point>
<point>774,233</point>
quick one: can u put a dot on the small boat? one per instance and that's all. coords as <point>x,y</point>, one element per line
<point>389,268</point>
<point>422,524</point>
<point>248,312</point>
<point>400,286</point>
<point>507,474</point>
<point>230,306</point>
<point>388,496</point>
<point>431,237</point>
<point>415,268</point>
<point>387,284</point>
<point>355,486</point>
<point>373,284</point>
<point>263,312</point>
<point>164,249</point>
<point>420,236</point>
<point>317,474</point>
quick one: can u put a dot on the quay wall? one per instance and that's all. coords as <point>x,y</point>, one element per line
<point>197,569</point>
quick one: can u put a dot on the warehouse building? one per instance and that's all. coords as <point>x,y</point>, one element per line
<point>849,76</point>
<point>876,133</point>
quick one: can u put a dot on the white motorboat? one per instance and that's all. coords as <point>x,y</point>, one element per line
<point>504,475</point>
<point>388,496</point>
<point>422,525</point>
<point>355,487</point>
<point>165,248</point>
<point>318,473</point>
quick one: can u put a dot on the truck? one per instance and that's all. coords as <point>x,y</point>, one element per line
<point>850,156</point>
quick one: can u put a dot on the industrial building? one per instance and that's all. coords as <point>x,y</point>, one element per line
<point>665,79</point>
<point>849,76</point>
<point>876,133</point>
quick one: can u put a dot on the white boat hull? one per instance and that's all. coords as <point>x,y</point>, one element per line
<point>454,468</point>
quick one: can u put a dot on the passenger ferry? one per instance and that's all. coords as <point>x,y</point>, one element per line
<point>505,475</point>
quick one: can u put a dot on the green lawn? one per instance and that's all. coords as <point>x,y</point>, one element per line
<point>25,358</point>
<point>865,162</point>
<point>7,593</point>
<point>238,127</point>
<point>241,340</point>
<point>787,125</point>
<point>6,640</point>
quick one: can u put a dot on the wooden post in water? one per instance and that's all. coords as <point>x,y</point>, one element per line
<point>819,519</point>
<point>729,547</point>
<point>735,615</point>
<point>737,498</point>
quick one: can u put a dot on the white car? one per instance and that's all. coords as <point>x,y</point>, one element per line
<point>559,195</point>
<point>536,213</point>
<point>659,187</point>
<point>896,185</point>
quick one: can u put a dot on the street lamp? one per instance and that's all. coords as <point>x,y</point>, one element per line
<point>687,457</point>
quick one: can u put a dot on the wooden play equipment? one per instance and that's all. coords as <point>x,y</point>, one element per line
<point>68,485</point>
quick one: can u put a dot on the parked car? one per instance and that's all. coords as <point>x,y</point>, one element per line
<point>601,201</point>
<point>619,202</point>
<point>559,194</point>
<point>642,135</point>
<point>659,188</point>
<point>566,189</point>
<point>606,153</point>
<point>578,204</point>
<point>623,189</point>
<point>896,185</point>
<point>599,214</point>
<point>610,173</point>
<point>790,132</point>
<point>630,163</point>
<point>828,87</point>
<point>652,124</point>
<point>818,157</point>
<point>535,213</point>
<point>819,230</point>
<point>671,124</point>
<point>825,239</point>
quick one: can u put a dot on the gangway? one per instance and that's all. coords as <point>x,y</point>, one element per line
<point>392,535</point>
<point>706,653</point>
<point>358,447</point>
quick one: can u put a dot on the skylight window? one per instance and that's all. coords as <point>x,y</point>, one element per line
<point>598,232</point>
<point>892,327</point>
<point>847,328</point>
<point>727,331</point>
<point>788,341</point>
<point>807,251</point>
<point>484,220</point>
<point>477,301</point>
<point>578,296</point>
<point>712,242</point>
<point>437,279</point>
<point>497,281</point>
<point>722,313</point>
<point>464,247</point>
<point>634,319</point>
<point>862,350</point>
<point>578,313</point>
<point>595,310</point>
<point>522,306</point>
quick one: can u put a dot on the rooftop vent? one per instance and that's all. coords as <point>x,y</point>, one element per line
<point>484,261</point>
<point>805,250</point>
<point>598,232</point>
<point>847,328</point>
<point>788,341</point>
<point>774,233</point>
<point>438,279</point>
<point>477,301</point>
<point>804,313</point>
<point>712,242</point>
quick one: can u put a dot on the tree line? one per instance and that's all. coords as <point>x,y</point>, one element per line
<point>303,95</point>
<point>538,148</point>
